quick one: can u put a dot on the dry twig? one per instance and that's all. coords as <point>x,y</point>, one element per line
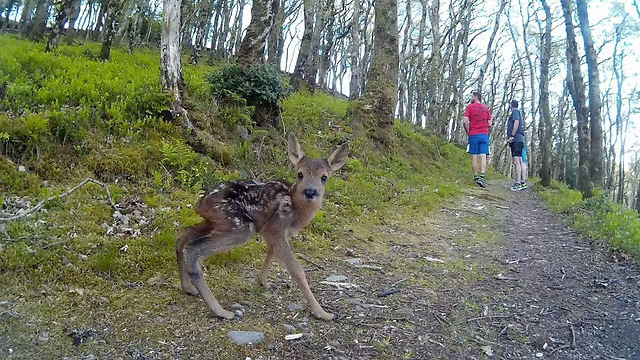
<point>61,196</point>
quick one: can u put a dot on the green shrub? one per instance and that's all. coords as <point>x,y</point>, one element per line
<point>259,85</point>
<point>598,217</point>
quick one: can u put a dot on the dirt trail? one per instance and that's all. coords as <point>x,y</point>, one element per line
<point>494,274</point>
<point>560,291</point>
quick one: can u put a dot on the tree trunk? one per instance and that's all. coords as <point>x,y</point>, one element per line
<point>274,56</point>
<point>489,53</point>
<point>113,10</point>
<point>354,84</point>
<point>302,71</point>
<point>71,31</point>
<point>204,18</point>
<point>575,84</point>
<point>170,68</point>
<point>39,23</point>
<point>638,197</point>
<point>25,18</point>
<point>595,99</point>
<point>58,26</point>
<point>253,44</point>
<point>545,110</point>
<point>376,108</point>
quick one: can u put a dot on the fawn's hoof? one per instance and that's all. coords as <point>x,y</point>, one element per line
<point>191,290</point>
<point>327,316</point>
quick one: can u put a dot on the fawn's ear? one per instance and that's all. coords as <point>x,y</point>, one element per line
<point>295,152</point>
<point>339,157</point>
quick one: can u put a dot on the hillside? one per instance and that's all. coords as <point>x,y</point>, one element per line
<point>415,261</point>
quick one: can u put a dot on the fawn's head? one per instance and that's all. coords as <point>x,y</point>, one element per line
<point>313,173</point>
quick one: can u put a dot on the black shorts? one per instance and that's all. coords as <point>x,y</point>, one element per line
<point>516,149</point>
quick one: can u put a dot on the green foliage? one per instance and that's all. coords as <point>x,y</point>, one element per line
<point>598,217</point>
<point>259,85</point>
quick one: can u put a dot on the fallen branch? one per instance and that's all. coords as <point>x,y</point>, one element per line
<point>489,317</point>
<point>559,348</point>
<point>370,267</point>
<point>61,196</point>
<point>339,285</point>
<point>573,337</point>
<point>398,282</point>
<point>301,256</point>
<point>386,293</point>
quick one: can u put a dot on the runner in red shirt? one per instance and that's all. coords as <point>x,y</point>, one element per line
<point>477,122</point>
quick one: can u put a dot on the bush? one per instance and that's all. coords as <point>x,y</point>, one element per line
<point>598,217</point>
<point>261,86</point>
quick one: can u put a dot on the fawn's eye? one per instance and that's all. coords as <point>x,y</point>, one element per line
<point>323,178</point>
<point>300,176</point>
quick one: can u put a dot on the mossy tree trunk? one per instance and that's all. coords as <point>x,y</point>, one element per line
<point>545,111</point>
<point>39,23</point>
<point>595,99</point>
<point>354,86</point>
<point>170,67</point>
<point>71,31</point>
<point>113,10</point>
<point>252,46</point>
<point>302,72</point>
<point>376,108</point>
<point>575,83</point>
<point>61,19</point>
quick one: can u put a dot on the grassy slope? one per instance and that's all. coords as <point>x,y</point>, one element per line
<point>68,117</point>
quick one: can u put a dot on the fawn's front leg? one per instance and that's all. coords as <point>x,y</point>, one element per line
<point>264,271</point>
<point>283,253</point>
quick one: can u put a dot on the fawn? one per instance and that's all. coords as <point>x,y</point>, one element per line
<point>234,211</point>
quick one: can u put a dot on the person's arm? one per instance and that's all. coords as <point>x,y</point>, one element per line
<point>516,124</point>
<point>465,124</point>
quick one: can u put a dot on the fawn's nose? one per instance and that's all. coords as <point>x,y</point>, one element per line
<point>310,193</point>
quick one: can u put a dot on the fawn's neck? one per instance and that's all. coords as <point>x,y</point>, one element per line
<point>303,211</point>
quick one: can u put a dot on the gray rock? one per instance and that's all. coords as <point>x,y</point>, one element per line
<point>246,337</point>
<point>289,328</point>
<point>242,132</point>
<point>237,306</point>
<point>101,300</point>
<point>336,278</point>
<point>294,307</point>
<point>354,261</point>
<point>43,339</point>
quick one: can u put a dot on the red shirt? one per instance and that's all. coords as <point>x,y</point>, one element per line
<point>479,118</point>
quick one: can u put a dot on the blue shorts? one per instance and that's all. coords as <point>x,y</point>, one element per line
<point>478,144</point>
<point>524,155</point>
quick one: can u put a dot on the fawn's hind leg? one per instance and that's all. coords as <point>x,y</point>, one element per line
<point>190,233</point>
<point>198,249</point>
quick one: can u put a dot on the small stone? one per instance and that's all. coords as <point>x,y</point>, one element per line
<point>237,306</point>
<point>246,337</point>
<point>294,307</point>
<point>22,168</point>
<point>242,132</point>
<point>336,278</point>
<point>82,257</point>
<point>245,303</point>
<point>354,261</point>
<point>290,328</point>
<point>65,261</point>
<point>539,355</point>
<point>43,339</point>
<point>30,250</point>
<point>101,300</point>
<point>89,357</point>
<point>271,347</point>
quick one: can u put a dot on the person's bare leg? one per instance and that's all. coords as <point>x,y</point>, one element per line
<point>517,162</point>
<point>474,165</point>
<point>525,172</point>
<point>483,163</point>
